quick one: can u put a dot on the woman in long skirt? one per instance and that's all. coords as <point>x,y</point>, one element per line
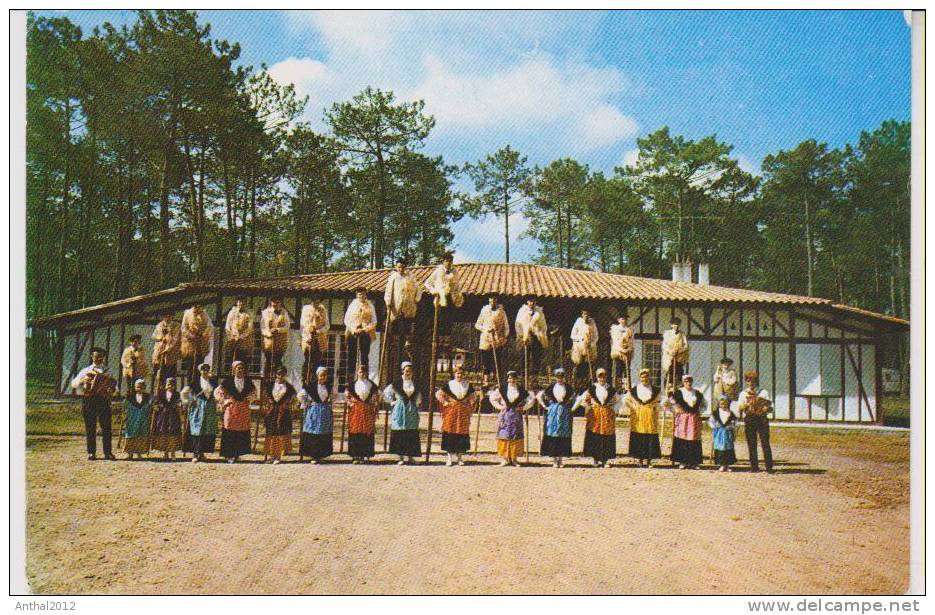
<point>167,421</point>
<point>363,404</point>
<point>689,403</point>
<point>557,399</point>
<point>512,402</point>
<point>136,427</point>
<point>234,396</point>
<point>723,431</point>
<point>315,399</point>
<point>405,401</point>
<point>456,400</point>
<point>277,417</point>
<point>202,414</point>
<point>643,403</point>
<point>600,437</point>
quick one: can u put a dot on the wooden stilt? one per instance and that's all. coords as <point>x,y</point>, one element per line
<point>432,367</point>
<point>526,385</point>
<point>383,344</point>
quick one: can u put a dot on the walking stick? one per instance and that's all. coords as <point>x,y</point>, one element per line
<point>123,425</point>
<point>526,384</point>
<point>428,448</point>
<point>477,432</point>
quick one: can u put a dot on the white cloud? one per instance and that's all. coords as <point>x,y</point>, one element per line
<point>746,165</point>
<point>489,78</point>
<point>630,157</point>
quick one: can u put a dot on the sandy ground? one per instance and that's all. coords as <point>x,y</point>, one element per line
<point>828,521</point>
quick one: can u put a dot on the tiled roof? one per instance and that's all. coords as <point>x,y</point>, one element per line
<point>511,279</point>
<point>518,280</point>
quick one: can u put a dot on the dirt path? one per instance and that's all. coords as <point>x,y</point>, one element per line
<point>819,525</point>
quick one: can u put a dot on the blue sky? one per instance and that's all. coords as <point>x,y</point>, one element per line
<point>587,84</point>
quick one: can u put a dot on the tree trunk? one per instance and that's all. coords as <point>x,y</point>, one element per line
<point>253,227</point>
<point>808,249</point>
<point>381,214</point>
<point>164,218</point>
<point>506,224</point>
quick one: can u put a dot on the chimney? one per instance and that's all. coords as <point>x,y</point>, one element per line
<point>704,274</point>
<point>681,272</point>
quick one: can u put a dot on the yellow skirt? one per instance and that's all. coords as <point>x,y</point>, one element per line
<point>277,446</point>
<point>510,449</point>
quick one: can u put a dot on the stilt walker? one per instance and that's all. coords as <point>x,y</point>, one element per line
<point>621,348</point>
<point>674,358</point>
<point>584,338</point>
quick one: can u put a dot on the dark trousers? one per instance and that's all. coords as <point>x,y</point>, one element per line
<point>491,360</point>
<point>582,375</point>
<point>401,331</point>
<point>190,367</point>
<point>758,427</point>
<point>96,410</point>
<point>359,342</point>
<point>273,360</point>
<point>238,351</point>
<point>313,359</point>
<point>534,352</point>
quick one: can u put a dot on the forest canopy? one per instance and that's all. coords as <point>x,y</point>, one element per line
<point>154,157</point>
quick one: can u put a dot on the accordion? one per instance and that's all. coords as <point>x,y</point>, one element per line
<point>100,385</point>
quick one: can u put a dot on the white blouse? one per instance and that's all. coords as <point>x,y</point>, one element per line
<point>279,390</point>
<point>458,388</point>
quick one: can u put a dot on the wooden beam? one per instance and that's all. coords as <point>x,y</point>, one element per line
<point>862,393</point>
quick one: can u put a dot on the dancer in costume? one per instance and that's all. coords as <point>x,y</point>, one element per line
<point>404,397</point>
<point>557,399</point>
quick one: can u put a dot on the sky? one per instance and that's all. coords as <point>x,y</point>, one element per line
<point>587,84</point>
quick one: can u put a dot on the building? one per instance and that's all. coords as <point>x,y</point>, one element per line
<point>819,360</point>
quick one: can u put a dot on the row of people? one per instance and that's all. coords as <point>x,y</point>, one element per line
<point>156,422</point>
<point>189,341</point>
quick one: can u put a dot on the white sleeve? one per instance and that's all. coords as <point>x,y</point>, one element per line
<point>264,324</point>
<point>76,381</point>
<point>479,325</point>
<point>496,399</point>
<point>530,401</point>
<point>540,397</point>
<point>576,331</point>
<point>348,315</point>
<point>388,293</point>
<point>389,394</point>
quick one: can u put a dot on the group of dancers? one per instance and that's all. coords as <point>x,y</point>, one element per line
<point>171,420</point>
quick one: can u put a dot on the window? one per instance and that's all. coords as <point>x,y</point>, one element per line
<point>818,369</point>
<point>652,359</point>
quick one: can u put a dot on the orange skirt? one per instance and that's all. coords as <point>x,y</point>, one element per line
<point>277,446</point>
<point>510,449</point>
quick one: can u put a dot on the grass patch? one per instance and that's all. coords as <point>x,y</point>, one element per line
<point>895,411</point>
<point>46,414</point>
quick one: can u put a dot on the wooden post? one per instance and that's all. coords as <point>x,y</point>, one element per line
<point>432,367</point>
